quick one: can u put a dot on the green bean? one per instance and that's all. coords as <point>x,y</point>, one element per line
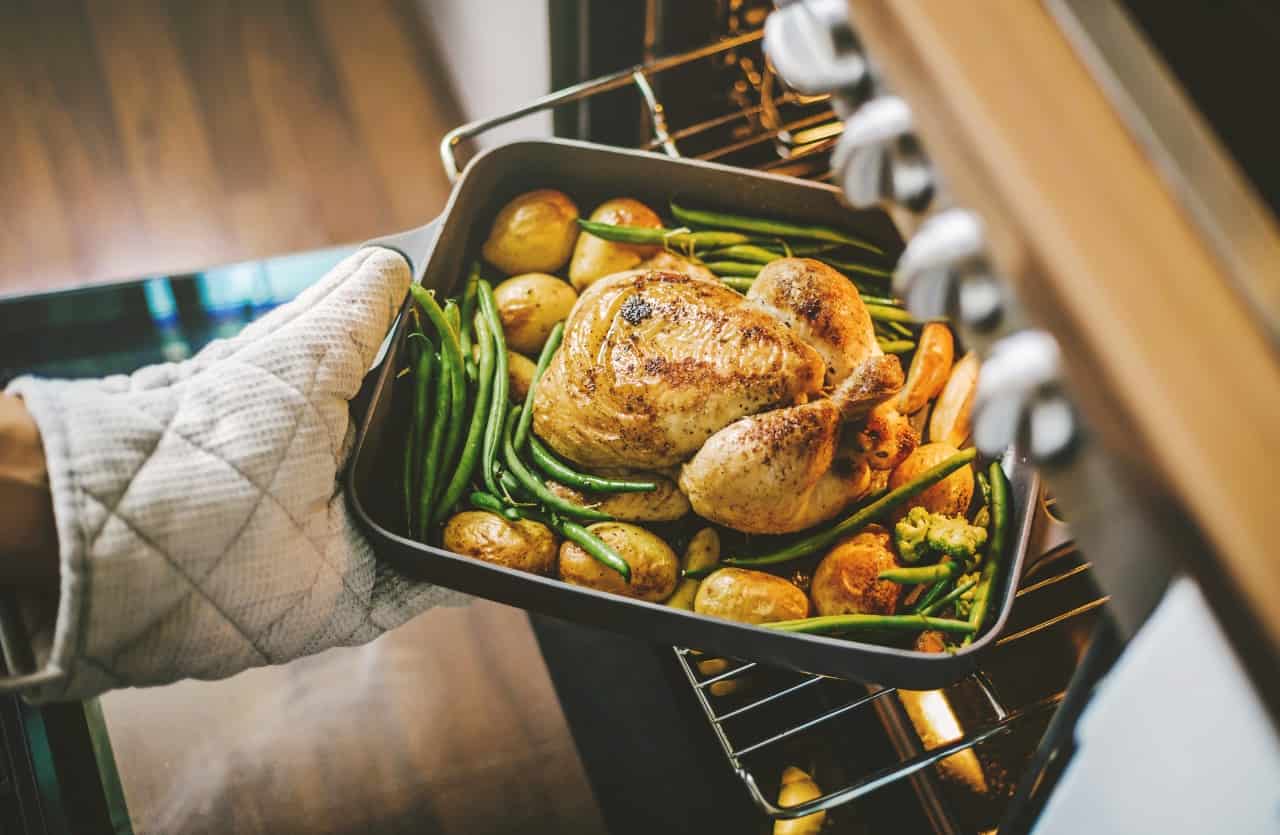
<point>847,267</point>
<point>450,358</point>
<point>431,453</point>
<point>900,329</point>
<point>947,599</point>
<point>740,283</point>
<point>544,359</point>
<point>498,405</point>
<point>534,485</point>
<point>887,301</point>
<point>593,545</point>
<point>468,319</point>
<point>916,574</point>
<point>995,551</point>
<point>876,509</point>
<point>762,226</point>
<point>803,249</point>
<point>670,238</point>
<point>849,623</point>
<point>890,314</point>
<point>897,346</point>
<point>750,253</point>
<point>481,500</point>
<point>553,467</point>
<point>458,412</point>
<point>421,360</point>
<point>733,268</point>
<point>471,447</point>
<point>933,593</point>
<point>454,318</point>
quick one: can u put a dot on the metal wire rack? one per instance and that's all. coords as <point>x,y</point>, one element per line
<point>752,710</point>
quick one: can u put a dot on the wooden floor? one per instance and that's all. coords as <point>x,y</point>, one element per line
<point>146,136</point>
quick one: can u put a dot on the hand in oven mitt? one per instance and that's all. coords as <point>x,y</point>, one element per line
<point>201,525</point>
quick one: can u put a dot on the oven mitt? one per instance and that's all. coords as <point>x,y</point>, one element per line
<point>202,527</point>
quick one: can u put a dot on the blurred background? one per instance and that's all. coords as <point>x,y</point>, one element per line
<point>160,136</point>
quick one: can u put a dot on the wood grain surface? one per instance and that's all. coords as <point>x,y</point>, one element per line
<point>149,136</point>
<point>446,725</point>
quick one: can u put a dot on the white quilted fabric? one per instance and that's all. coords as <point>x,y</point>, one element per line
<point>201,525</point>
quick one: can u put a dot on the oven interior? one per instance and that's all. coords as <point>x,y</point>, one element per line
<point>973,757</point>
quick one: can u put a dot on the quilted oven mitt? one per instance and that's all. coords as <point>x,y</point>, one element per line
<point>201,524</point>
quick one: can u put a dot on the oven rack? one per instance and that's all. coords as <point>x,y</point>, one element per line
<point>1006,716</point>
<point>798,132</point>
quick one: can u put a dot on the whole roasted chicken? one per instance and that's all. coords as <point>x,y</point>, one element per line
<point>659,369</point>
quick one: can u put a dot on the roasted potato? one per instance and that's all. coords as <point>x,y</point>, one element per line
<point>930,367</point>
<point>534,233</point>
<point>702,552</point>
<point>886,438</point>
<point>526,545</point>
<point>949,421</point>
<point>520,371</point>
<point>749,597</point>
<point>595,258</point>
<point>950,497</point>
<point>798,787</point>
<point>845,582</point>
<point>665,504</point>
<point>654,566</point>
<point>530,305</point>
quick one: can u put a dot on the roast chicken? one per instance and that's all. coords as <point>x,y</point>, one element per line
<point>751,394</point>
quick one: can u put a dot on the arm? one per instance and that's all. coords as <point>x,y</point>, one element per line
<point>28,540</point>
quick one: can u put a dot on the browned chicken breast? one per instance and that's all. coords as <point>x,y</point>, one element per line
<point>779,471</point>
<point>823,308</point>
<point>653,364</point>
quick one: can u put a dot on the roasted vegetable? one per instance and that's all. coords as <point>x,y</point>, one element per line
<point>534,233</point>
<point>904,492</point>
<point>665,503</point>
<point>920,534</point>
<point>949,421</point>
<point>930,367</point>
<point>846,581</point>
<point>520,371</point>
<point>1000,511</point>
<point>702,553</point>
<point>749,597</point>
<point>769,227</point>
<point>549,349</point>
<point>654,566</point>
<point>530,305</point>
<point>525,545</point>
<point>594,257</point>
<point>950,496</point>
<point>798,787</point>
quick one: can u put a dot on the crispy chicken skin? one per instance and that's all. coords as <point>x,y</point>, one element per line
<point>778,471</point>
<point>823,308</point>
<point>654,363</point>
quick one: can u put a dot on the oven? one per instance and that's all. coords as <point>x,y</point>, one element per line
<point>867,100</point>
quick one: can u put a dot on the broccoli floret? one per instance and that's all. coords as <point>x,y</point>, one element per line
<point>964,603</point>
<point>910,534</point>
<point>921,533</point>
<point>955,537</point>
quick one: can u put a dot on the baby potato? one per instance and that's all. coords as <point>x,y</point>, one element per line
<point>950,497</point>
<point>664,504</point>
<point>525,545</point>
<point>534,233</point>
<point>594,258</point>
<point>654,566</point>
<point>845,582</point>
<point>749,597</point>
<point>530,305</point>
<point>520,371</point>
